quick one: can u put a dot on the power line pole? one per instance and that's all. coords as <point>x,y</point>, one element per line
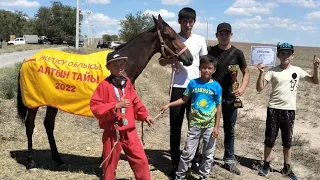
<point>88,35</point>
<point>91,34</point>
<point>77,25</point>
<point>207,34</point>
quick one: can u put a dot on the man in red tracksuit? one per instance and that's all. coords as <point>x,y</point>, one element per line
<point>116,105</point>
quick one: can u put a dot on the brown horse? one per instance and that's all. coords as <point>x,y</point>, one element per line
<point>160,38</point>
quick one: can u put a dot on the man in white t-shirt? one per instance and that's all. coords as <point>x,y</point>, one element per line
<point>198,47</point>
<point>282,104</point>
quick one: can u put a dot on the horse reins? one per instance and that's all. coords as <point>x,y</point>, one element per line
<point>163,47</point>
<point>175,55</point>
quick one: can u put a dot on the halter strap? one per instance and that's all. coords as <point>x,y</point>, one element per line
<point>164,46</point>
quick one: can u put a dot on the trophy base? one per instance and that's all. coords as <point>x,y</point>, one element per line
<point>238,103</point>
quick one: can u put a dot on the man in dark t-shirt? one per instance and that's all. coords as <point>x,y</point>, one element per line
<point>228,55</point>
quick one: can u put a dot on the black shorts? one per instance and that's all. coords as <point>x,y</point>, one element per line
<point>283,119</point>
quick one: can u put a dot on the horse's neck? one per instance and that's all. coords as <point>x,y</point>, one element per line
<point>140,51</point>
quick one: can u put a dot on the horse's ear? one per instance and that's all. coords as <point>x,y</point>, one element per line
<point>155,20</point>
<point>160,18</point>
<point>158,22</point>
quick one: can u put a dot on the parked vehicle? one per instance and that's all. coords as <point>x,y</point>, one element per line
<point>31,39</point>
<point>43,40</point>
<point>73,43</point>
<point>104,45</point>
<point>115,44</point>
<point>17,41</point>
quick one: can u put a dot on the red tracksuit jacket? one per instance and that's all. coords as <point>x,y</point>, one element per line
<point>103,102</point>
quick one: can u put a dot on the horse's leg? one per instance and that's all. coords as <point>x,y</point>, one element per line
<point>29,123</point>
<point>49,125</point>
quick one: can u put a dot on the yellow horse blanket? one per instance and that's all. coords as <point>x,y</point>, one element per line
<point>62,80</point>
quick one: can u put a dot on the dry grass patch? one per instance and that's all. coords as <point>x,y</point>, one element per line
<point>310,159</point>
<point>82,50</point>
<point>9,81</point>
<point>15,48</point>
<point>79,138</point>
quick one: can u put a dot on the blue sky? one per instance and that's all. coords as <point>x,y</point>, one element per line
<point>267,21</point>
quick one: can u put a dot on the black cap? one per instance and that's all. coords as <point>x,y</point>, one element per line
<point>115,55</point>
<point>224,26</point>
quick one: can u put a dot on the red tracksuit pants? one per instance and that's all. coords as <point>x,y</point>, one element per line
<point>133,149</point>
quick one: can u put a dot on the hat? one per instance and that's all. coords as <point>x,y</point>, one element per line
<point>285,46</point>
<point>115,55</point>
<point>224,26</point>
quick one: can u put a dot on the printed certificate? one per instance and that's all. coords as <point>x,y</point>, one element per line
<point>266,55</point>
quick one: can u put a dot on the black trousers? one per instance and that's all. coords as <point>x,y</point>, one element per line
<point>176,120</point>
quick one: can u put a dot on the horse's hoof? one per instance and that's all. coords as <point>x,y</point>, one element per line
<point>32,170</point>
<point>31,165</point>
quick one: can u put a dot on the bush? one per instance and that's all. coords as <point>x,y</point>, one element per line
<point>9,81</point>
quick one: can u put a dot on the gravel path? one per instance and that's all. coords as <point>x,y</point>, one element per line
<point>9,59</point>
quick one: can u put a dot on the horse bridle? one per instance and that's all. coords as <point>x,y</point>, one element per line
<point>165,47</point>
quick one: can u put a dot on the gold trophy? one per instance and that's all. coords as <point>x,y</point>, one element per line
<point>235,84</point>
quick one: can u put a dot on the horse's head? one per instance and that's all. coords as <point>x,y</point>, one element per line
<point>171,42</point>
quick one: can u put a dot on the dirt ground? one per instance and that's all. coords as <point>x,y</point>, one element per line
<point>79,138</point>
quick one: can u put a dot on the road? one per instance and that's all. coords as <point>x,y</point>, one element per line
<point>9,59</point>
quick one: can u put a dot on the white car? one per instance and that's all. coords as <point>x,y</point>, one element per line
<point>114,44</point>
<point>17,41</point>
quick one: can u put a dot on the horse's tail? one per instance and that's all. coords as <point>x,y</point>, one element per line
<point>22,109</point>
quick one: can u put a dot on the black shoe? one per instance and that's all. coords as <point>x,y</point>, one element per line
<point>195,168</point>
<point>287,171</point>
<point>264,170</point>
<point>232,168</point>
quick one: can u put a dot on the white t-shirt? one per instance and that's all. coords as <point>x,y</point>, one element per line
<point>284,86</point>
<point>198,47</point>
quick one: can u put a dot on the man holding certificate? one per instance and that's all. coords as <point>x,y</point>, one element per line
<point>230,61</point>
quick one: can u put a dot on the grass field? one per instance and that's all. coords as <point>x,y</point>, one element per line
<point>14,48</point>
<point>79,138</point>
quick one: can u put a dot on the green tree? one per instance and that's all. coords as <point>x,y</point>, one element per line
<point>132,25</point>
<point>12,23</point>
<point>57,21</point>
<point>30,27</point>
<point>108,37</point>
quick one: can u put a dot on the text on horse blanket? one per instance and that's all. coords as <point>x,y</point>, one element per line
<point>62,80</point>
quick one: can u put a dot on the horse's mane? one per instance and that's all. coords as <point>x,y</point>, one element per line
<point>128,42</point>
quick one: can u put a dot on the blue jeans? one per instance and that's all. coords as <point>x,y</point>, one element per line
<point>229,113</point>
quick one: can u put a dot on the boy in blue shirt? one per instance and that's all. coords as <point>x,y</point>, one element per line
<point>205,94</point>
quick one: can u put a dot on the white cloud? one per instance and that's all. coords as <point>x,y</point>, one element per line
<point>19,3</point>
<point>290,24</point>
<point>250,23</point>
<point>100,20</point>
<point>176,2</point>
<point>163,12</point>
<point>313,15</point>
<point>99,1</point>
<point>237,11</point>
<point>273,22</point>
<point>249,7</point>
<point>302,3</point>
